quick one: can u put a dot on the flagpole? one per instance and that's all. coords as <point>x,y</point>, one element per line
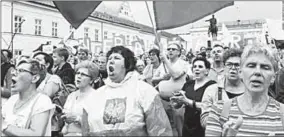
<point>155,32</point>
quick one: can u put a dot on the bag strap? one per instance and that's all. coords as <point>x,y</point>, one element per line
<point>64,87</point>
<point>219,93</point>
<point>32,109</point>
<point>225,111</point>
<point>282,113</point>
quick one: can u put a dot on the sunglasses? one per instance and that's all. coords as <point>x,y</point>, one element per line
<point>83,74</point>
<point>173,49</point>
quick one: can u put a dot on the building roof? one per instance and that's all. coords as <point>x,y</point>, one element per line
<point>110,18</point>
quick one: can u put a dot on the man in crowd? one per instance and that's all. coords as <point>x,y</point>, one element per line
<point>216,72</point>
<point>177,69</point>
<point>63,69</point>
<point>101,62</point>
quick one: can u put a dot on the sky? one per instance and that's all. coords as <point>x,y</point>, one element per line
<point>243,10</point>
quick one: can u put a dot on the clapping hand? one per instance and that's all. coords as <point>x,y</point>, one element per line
<point>70,118</point>
<point>231,129</point>
<point>179,97</point>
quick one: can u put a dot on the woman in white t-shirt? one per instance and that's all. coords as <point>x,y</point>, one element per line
<point>27,113</point>
<point>86,73</point>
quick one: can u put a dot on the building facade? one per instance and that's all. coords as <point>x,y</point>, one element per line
<point>35,23</point>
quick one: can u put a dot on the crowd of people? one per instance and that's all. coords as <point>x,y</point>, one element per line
<point>217,92</point>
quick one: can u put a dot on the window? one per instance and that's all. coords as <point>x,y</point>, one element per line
<point>37,27</point>
<point>18,20</point>
<point>96,35</point>
<point>113,35</point>
<point>105,35</point>
<point>86,32</point>
<point>72,35</point>
<point>54,29</point>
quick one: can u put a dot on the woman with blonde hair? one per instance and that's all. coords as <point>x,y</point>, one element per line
<point>86,73</point>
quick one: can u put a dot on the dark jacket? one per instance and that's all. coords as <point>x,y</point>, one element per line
<point>66,73</point>
<point>277,89</point>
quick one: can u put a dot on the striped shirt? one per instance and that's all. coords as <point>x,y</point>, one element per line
<point>261,125</point>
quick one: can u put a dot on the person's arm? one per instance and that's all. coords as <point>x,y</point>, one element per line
<point>213,126</point>
<point>174,72</point>
<point>50,89</point>
<point>156,119</point>
<point>38,126</point>
<point>208,100</point>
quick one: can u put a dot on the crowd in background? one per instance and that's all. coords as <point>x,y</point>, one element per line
<point>217,91</point>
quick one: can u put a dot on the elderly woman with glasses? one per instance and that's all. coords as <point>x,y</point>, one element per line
<point>86,73</point>
<point>230,86</point>
<point>27,113</point>
<point>125,106</point>
<point>253,113</point>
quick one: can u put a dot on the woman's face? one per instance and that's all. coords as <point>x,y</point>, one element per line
<point>232,67</point>
<point>82,78</point>
<point>257,73</point>
<point>21,78</point>
<point>116,67</point>
<point>199,70</point>
<point>153,57</point>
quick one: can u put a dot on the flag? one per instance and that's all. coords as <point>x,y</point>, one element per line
<point>171,14</point>
<point>227,37</point>
<point>76,12</point>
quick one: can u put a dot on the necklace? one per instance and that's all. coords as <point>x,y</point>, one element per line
<point>17,107</point>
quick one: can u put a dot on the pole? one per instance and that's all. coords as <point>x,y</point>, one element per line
<point>12,27</point>
<point>155,32</point>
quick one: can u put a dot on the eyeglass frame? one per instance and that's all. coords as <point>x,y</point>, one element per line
<point>231,65</point>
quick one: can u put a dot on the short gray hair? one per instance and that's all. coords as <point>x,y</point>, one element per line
<point>93,69</point>
<point>259,48</point>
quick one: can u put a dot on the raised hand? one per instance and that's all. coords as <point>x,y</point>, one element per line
<point>231,129</point>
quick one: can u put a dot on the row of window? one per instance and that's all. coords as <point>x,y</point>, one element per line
<point>18,20</point>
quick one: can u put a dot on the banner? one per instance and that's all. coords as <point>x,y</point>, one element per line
<point>172,14</point>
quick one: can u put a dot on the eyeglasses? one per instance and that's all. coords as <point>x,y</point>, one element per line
<point>17,71</point>
<point>230,65</point>
<point>216,51</point>
<point>173,49</point>
<point>81,54</point>
<point>83,74</point>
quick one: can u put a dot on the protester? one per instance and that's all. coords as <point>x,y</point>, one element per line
<point>102,71</point>
<point>83,54</point>
<point>125,106</point>
<point>140,67</point>
<point>63,69</point>
<point>6,78</point>
<point>277,88</point>
<point>191,96</point>
<point>230,86</point>
<point>253,113</point>
<point>216,72</point>
<point>176,70</point>
<point>154,72</point>
<point>86,73</point>
<point>27,113</point>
